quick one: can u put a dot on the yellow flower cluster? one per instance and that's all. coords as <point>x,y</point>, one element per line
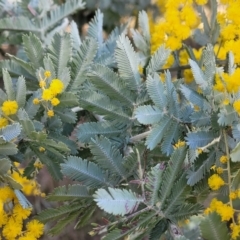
<point>179,144</point>
<point>236,106</point>
<point>230,31</point>
<point>228,83</point>
<point>224,210</point>
<point>8,108</point>
<point>223,159</point>
<point>13,215</point>
<point>215,182</point>
<point>176,25</point>
<point>49,94</point>
<point>235,227</point>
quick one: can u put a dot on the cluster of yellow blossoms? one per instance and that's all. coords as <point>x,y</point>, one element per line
<point>13,221</point>
<point>9,107</point>
<point>49,95</point>
<point>178,20</point>
<point>224,210</point>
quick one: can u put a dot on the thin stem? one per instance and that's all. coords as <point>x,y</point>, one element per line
<point>139,137</point>
<point>184,67</point>
<point>141,173</point>
<point>124,219</point>
<point>228,169</point>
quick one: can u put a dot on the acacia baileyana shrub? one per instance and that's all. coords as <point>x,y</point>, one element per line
<point>158,151</point>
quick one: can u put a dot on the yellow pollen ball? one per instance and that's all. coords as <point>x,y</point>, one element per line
<point>50,113</point>
<point>56,86</point>
<point>219,170</point>
<point>41,149</point>
<point>47,94</point>
<point>35,101</point>
<point>9,107</point>
<point>55,101</point>
<point>3,122</point>
<point>233,195</point>
<point>47,74</point>
<point>42,84</point>
<point>223,159</point>
<point>215,182</point>
<point>38,164</point>
<point>236,106</point>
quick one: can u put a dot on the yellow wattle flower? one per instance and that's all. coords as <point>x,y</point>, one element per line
<point>9,107</point>
<point>3,122</point>
<point>56,86</point>
<point>215,182</point>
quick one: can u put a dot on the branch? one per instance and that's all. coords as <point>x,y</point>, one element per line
<point>139,137</point>
<point>183,67</point>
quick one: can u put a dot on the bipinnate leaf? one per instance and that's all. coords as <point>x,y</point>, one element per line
<point>68,99</point>
<point>199,139</point>
<point>143,23</point>
<point>5,165</point>
<point>84,171</point>
<point>33,49</point>
<point>127,61</point>
<point>8,85</point>
<point>213,228</point>
<point>158,59</point>
<point>10,132</point>
<point>107,156</point>
<point>8,149</point>
<point>154,182</point>
<point>95,27</point>
<point>171,173</point>
<point>21,92</point>
<point>148,114</point>
<point>60,52</point>
<point>157,133</point>
<point>198,75</point>
<point>235,153</point>
<point>66,193</point>
<point>81,62</point>
<point>117,201</point>
<point>110,83</point>
<point>156,90</point>
<point>88,130</point>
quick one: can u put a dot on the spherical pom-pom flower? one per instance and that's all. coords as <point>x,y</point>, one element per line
<point>219,170</point>
<point>226,101</point>
<point>236,106</point>
<point>21,213</point>
<point>56,86</point>
<point>223,159</point>
<point>215,182</point>
<point>55,101</point>
<point>12,229</point>
<point>235,231</point>
<point>226,212</point>
<point>3,122</point>
<point>38,164</point>
<point>179,144</point>
<point>36,101</point>
<point>41,149</point>
<point>47,94</point>
<point>9,107</point>
<point>42,84</point>
<point>233,195</point>
<point>35,228</point>
<point>50,113</point>
<point>47,74</point>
